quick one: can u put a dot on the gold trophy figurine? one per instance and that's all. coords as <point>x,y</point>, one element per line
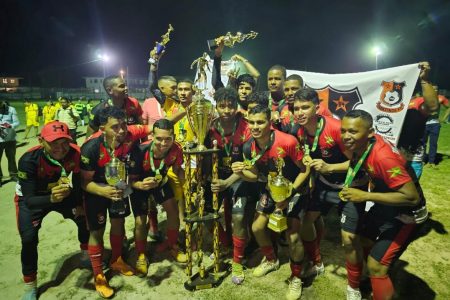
<point>202,67</point>
<point>280,189</point>
<point>229,39</point>
<point>160,46</point>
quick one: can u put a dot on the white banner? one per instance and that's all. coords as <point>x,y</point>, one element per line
<point>385,94</point>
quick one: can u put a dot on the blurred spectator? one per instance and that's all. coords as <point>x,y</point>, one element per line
<point>48,112</point>
<point>32,117</point>
<point>8,123</point>
<point>81,110</point>
<point>69,115</point>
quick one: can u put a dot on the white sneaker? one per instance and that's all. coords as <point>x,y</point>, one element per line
<point>295,289</point>
<point>353,294</point>
<point>265,267</point>
<point>313,270</point>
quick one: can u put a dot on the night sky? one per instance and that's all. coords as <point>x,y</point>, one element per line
<point>49,42</point>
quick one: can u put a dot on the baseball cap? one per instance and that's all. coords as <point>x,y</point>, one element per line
<point>55,130</point>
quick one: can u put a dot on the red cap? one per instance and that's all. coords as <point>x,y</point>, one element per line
<point>55,130</point>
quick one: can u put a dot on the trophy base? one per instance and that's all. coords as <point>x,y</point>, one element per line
<point>277,223</point>
<point>209,280</point>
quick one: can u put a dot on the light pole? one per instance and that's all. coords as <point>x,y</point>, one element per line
<point>377,52</point>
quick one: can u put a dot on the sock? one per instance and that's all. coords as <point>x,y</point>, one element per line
<point>96,254</point>
<point>238,249</point>
<point>172,237</point>
<point>268,252</point>
<point>223,237</point>
<point>353,274</point>
<point>382,287</point>
<point>141,246</point>
<point>30,279</point>
<point>116,246</point>
<point>153,221</point>
<point>84,246</point>
<point>296,268</point>
<point>313,251</point>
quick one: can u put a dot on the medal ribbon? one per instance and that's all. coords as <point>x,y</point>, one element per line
<point>54,161</point>
<point>316,138</point>
<point>351,172</point>
<point>260,154</point>
<point>227,146</point>
<point>152,163</point>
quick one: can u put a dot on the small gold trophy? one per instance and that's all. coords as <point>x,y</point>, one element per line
<point>200,114</point>
<point>280,189</point>
<point>229,40</point>
<point>160,46</point>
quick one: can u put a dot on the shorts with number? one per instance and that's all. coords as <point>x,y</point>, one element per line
<point>296,206</point>
<point>325,197</point>
<point>391,237</point>
<point>96,207</point>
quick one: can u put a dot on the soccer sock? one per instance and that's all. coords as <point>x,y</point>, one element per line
<point>116,246</point>
<point>238,249</point>
<point>141,246</point>
<point>353,274</point>
<point>84,246</point>
<point>296,268</point>
<point>223,237</point>
<point>153,221</point>
<point>382,287</point>
<point>313,250</point>
<point>268,252</point>
<point>172,237</point>
<point>30,279</point>
<point>95,254</point>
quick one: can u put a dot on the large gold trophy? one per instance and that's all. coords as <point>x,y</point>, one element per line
<point>229,39</point>
<point>280,189</point>
<point>200,114</point>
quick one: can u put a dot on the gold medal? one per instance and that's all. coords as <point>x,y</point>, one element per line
<point>341,196</point>
<point>226,161</point>
<point>158,177</point>
<point>248,164</point>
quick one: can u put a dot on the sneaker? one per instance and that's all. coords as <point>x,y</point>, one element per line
<point>120,266</point>
<point>178,255</point>
<point>237,273</point>
<point>313,270</point>
<point>102,286</point>
<point>353,294</point>
<point>266,267</point>
<point>142,265</point>
<point>295,289</point>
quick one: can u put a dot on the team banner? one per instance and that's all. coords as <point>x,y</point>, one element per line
<point>385,94</point>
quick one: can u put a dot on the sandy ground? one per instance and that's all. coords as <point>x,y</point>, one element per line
<point>59,276</point>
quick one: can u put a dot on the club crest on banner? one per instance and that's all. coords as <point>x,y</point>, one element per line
<point>391,97</point>
<point>339,102</point>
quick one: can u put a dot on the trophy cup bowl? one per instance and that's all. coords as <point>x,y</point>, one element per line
<point>115,175</point>
<point>280,189</point>
<point>200,114</point>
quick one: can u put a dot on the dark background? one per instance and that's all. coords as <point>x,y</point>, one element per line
<point>49,42</point>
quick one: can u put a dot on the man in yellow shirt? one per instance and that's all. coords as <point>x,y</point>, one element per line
<point>48,112</point>
<point>32,115</point>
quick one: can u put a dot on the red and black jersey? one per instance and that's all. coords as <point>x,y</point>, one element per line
<point>287,120</point>
<point>131,106</point>
<point>38,175</point>
<point>140,158</point>
<point>388,171</point>
<point>282,145</point>
<point>329,147</point>
<point>240,136</point>
<point>94,155</point>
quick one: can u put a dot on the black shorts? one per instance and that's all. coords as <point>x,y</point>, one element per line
<point>239,194</point>
<point>296,207</point>
<point>139,199</point>
<point>325,197</point>
<point>391,237</point>
<point>96,208</point>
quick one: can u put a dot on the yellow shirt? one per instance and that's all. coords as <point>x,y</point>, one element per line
<point>32,111</point>
<point>183,131</point>
<point>49,113</point>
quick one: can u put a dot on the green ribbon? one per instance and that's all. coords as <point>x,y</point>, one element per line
<point>54,161</point>
<point>229,145</point>
<point>316,138</point>
<point>152,163</point>
<point>257,157</point>
<point>351,172</point>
